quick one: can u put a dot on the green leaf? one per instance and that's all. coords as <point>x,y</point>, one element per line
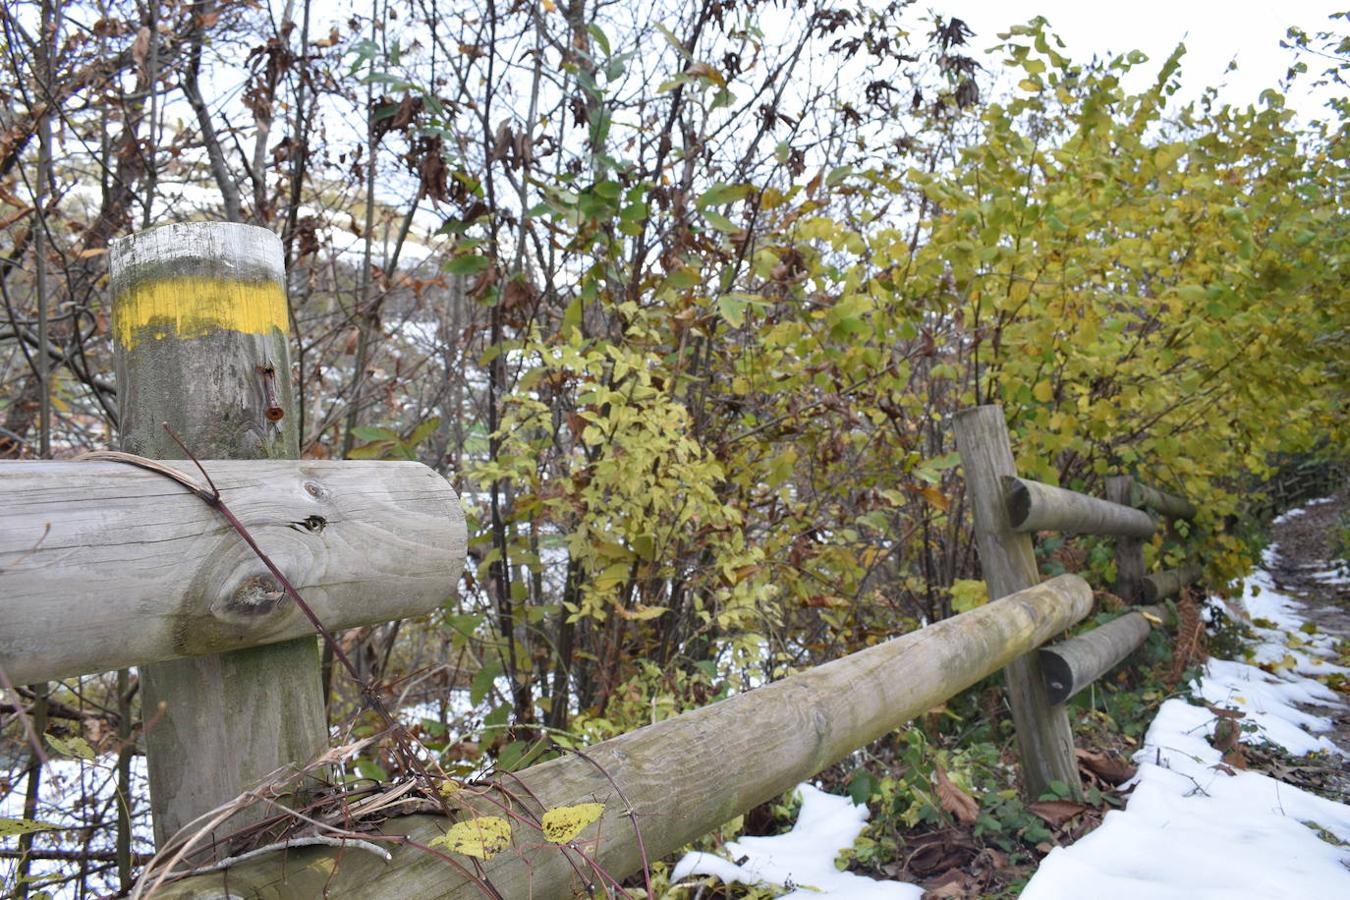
<point>483,680</point>
<point>720,194</point>
<point>720,222</point>
<point>75,746</point>
<point>16,827</point>
<point>600,38</point>
<point>613,575</point>
<point>471,264</point>
<point>572,315</point>
<point>968,594</point>
<point>732,310</point>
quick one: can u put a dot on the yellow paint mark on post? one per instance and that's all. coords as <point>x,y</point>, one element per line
<point>192,306</point>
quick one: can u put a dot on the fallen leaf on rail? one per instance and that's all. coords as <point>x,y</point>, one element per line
<point>562,823</point>
<point>482,838</point>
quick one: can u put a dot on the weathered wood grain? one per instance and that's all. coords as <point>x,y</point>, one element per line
<point>105,565</point>
<point>1129,584</point>
<point>1044,739</point>
<point>1074,664</point>
<point>686,775</point>
<point>1033,506</point>
<point>1170,505</point>
<point>200,328</point>
<point>1161,585</point>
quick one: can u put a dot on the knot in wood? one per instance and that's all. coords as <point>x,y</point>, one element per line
<point>256,596</point>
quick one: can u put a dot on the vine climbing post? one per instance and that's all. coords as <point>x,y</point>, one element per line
<point>1044,740</point>
<point>200,321</point>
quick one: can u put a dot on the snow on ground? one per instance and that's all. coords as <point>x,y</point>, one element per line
<point>802,860</point>
<point>1193,827</point>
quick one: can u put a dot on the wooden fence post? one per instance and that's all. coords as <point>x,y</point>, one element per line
<point>1129,550</point>
<point>200,321</point>
<point>1044,739</point>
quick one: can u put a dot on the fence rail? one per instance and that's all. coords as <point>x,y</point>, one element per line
<point>186,354</point>
<point>365,542</point>
<point>685,776</point>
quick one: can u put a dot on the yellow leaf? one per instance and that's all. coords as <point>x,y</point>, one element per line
<point>482,838</point>
<point>1150,618</point>
<point>562,823</point>
<point>640,613</point>
<point>77,747</point>
<point>935,497</point>
<point>1043,392</point>
<point>968,593</point>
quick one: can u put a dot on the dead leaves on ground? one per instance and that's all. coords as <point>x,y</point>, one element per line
<point>1108,767</point>
<point>950,864</point>
<point>953,799</point>
<point>1227,737</point>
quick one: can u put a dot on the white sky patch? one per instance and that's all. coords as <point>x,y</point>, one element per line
<point>1215,33</point>
<point>75,795</point>
<point>802,860</point>
<point>1190,828</point>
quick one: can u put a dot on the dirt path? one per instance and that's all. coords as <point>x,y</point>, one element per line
<point>1302,568</point>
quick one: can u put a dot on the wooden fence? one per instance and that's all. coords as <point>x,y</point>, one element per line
<point>104,565</point>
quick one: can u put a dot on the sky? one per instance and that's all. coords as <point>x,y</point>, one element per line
<point>1215,33</point>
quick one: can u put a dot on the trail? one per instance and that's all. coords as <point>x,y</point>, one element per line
<point>1301,564</point>
<point>1271,817</point>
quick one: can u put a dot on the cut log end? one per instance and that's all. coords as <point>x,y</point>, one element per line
<point>1058,677</point>
<point>1019,501</point>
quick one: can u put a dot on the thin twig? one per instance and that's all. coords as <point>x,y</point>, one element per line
<point>631,813</point>
<point>309,841</point>
<point>19,711</point>
<point>403,740</point>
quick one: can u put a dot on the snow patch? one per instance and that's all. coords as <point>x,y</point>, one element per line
<point>1196,828</point>
<point>802,860</point>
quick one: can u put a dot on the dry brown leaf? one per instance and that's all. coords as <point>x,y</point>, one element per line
<point>1225,713</point>
<point>937,851</point>
<point>1109,767</point>
<point>954,800</point>
<point>10,220</point>
<point>951,885</point>
<point>1056,812</point>
<point>140,47</point>
<point>1226,735</point>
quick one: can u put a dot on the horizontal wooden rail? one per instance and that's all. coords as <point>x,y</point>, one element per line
<point>1161,585</point>
<point>104,565</point>
<point>1170,505</point>
<point>1072,665</point>
<point>685,776</point>
<point>1033,506</point>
